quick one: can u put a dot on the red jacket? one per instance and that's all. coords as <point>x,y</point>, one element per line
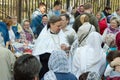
<point>114,78</point>
<point>102,25</point>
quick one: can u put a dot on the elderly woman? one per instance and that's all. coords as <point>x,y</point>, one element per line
<point>27,31</point>
<point>110,32</point>
<point>51,38</point>
<point>90,57</point>
<point>58,67</point>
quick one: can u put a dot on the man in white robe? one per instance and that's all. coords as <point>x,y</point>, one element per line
<point>51,38</point>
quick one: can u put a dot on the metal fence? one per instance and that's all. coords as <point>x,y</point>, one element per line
<point>24,8</point>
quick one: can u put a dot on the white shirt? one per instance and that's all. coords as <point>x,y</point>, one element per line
<point>11,35</point>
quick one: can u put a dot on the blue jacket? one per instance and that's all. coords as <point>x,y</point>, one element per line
<point>36,20</point>
<point>4,31</point>
<point>64,76</point>
<point>15,30</point>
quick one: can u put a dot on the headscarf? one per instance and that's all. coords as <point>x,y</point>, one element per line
<point>27,30</point>
<point>112,30</point>
<point>93,76</point>
<point>95,40</point>
<point>58,62</point>
<point>89,55</point>
<point>118,40</point>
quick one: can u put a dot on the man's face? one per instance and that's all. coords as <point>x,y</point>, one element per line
<point>55,27</point>
<point>64,21</point>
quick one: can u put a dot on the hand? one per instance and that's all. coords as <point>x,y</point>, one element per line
<point>115,62</point>
<point>63,46</point>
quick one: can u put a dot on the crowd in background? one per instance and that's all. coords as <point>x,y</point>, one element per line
<point>61,45</point>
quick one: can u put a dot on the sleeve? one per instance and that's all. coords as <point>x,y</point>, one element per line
<point>11,60</point>
<point>63,39</point>
<point>108,70</point>
<point>76,64</point>
<point>104,34</point>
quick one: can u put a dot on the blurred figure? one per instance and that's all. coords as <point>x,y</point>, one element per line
<point>117,13</point>
<point>4,32</point>
<point>43,23</point>
<point>37,18</point>
<point>117,40</point>
<point>26,67</point>
<point>80,10</point>
<point>107,11</point>
<point>56,9</point>
<point>84,30</point>
<point>88,8</point>
<point>9,23</point>
<point>67,29</point>
<point>16,27</point>
<point>102,22</point>
<point>89,76</point>
<point>58,67</point>
<point>51,38</point>
<point>90,57</point>
<point>110,32</point>
<point>113,59</point>
<point>44,58</point>
<point>29,36</point>
<point>7,60</point>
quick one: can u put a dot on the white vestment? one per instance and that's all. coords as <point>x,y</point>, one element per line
<point>48,42</point>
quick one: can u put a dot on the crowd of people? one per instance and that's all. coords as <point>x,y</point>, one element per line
<point>60,45</point>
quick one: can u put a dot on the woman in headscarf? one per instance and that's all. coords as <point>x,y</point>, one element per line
<point>51,38</point>
<point>89,76</point>
<point>27,33</point>
<point>110,32</point>
<point>90,57</point>
<point>58,67</point>
<point>102,21</point>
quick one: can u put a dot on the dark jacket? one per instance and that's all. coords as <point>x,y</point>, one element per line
<point>92,20</point>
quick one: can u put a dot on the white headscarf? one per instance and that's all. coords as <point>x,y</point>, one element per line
<point>58,62</point>
<point>88,55</point>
